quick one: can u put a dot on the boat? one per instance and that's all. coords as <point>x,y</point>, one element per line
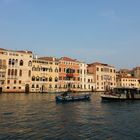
<point>69,97</point>
<point>121,94</point>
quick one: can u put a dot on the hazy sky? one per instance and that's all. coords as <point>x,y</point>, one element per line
<point>107,31</point>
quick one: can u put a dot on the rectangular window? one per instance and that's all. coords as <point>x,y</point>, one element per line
<point>8,81</point>
<point>20,73</point>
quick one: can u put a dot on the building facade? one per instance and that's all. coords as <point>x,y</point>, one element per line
<point>17,67</point>
<point>87,80</point>
<point>69,74</point>
<point>136,72</point>
<point>45,74</point>
<point>104,76</point>
<point>127,81</point>
<point>3,58</point>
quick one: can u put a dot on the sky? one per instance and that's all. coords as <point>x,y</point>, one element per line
<point>106,31</point>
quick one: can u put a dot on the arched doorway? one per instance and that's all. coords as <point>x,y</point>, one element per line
<point>27,90</point>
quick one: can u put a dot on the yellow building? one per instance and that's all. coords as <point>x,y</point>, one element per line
<point>18,70</point>
<point>3,57</point>
<point>45,74</point>
<point>127,81</point>
<point>104,76</point>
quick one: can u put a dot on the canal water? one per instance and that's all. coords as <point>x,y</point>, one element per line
<point>39,117</point>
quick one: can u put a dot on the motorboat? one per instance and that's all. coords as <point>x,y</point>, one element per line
<point>67,97</point>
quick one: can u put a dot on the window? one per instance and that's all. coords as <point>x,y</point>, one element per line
<point>37,78</point>
<point>12,73</point>
<point>37,86</point>
<point>10,61</point>
<point>50,79</point>
<point>33,78</point>
<point>33,86</point>
<point>8,71</point>
<point>19,81</point>
<point>97,69</point>
<point>19,87</point>
<point>56,70</point>
<point>56,79</point>
<point>78,71</point>
<point>97,77</point>
<point>20,73</point>
<point>30,63</point>
<point>16,72</point>
<point>13,61</point>
<point>8,87</point>
<point>50,70</point>
<point>15,81</point>
<point>29,73</point>
<point>21,63</point>
<point>8,81</point>
<point>14,87</point>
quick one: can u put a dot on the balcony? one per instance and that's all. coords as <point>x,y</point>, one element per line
<point>71,75</point>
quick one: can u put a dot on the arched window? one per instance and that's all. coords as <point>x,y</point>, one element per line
<point>33,68</point>
<point>12,72</point>
<point>33,78</point>
<point>20,73</point>
<point>37,86</point>
<point>9,71</point>
<point>13,61</point>
<point>50,70</point>
<point>29,73</point>
<point>16,61</point>
<point>30,63</point>
<point>56,70</point>
<point>50,79</point>
<point>37,78</point>
<point>33,86</point>
<point>10,61</point>
<point>43,79</point>
<point>16,72</point>
<point>21,63</point>
<point>56,79</point>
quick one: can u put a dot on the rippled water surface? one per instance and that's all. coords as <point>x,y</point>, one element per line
<point>38,116</point>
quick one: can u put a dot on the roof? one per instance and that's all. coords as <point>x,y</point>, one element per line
<point>68,59</point>
<point>19,51</point>
<point>48,58</point>
<point>100,64</point>
<point>2,49</point>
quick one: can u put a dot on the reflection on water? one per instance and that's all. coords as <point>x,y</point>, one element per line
<point>38,116</point>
